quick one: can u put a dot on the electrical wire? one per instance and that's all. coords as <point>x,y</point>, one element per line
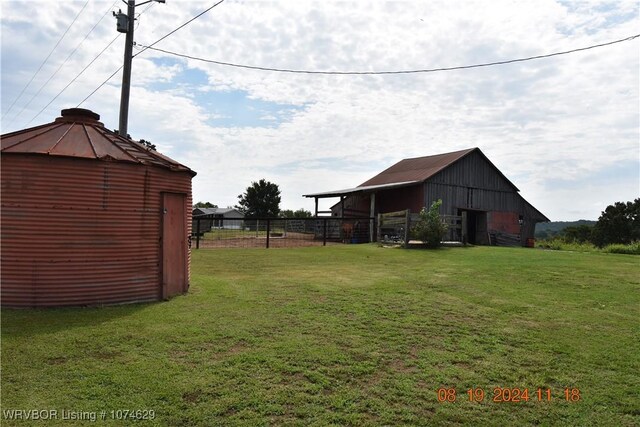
<point>46,59</point>
<point>142,13</point>
<point>77,76</point>
<point>67,59</point>
<point>101,84</point>
<point>179,28</point>
<point>426,70</point>
<point>148,47</point>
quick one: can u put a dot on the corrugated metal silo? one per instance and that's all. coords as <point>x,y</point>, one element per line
<point>89,217</point>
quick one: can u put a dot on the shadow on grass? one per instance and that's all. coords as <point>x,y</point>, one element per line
<point>26,322</point>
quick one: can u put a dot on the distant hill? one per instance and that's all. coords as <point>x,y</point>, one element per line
<point>550,229</point>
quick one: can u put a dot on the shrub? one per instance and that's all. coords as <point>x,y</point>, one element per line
<point>617,248</point>
<point>430,229</point>
<point>559,244</point>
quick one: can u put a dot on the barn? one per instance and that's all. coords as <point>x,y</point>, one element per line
<point>467,183</point>
<point>90,218</point>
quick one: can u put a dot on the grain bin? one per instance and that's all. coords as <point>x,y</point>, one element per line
<point>90,218</point>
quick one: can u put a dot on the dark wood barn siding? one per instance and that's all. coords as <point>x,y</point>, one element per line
<point>473,170</point>
<point>472,183</point>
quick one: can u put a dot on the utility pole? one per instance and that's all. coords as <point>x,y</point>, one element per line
<point>126,72</point>
<point>126,24</point>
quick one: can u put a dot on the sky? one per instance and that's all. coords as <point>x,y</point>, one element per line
<point>565,129</point>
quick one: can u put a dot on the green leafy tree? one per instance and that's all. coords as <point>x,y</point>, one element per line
<point>577,234</point>
<point>618,223</point>
<point>260,200</point>
<point>430,229</point>
<point>205,205</point>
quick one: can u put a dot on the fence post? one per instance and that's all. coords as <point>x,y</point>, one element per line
<point>407,225</point>
<point>197,233</point>
<point>268,231</point>
<point>324,232</point>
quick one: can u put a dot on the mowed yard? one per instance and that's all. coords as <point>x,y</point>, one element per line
<point>347,335</point>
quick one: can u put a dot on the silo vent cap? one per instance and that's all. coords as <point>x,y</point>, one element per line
<point>80,114</point>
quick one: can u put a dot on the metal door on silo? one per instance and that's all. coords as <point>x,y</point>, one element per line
<point>174,244</point>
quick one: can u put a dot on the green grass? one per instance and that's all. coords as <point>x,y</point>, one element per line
<point>347,335</point>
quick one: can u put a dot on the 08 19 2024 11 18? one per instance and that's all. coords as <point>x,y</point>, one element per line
<point>509,395</point>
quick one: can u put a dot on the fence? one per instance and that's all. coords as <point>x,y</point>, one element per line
<point>456,227</point>
<point>394,227</point>
<point>215,232</point>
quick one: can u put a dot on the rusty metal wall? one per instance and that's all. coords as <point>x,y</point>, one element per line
<point>82,232</point>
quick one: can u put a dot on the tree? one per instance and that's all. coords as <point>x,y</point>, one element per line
<point>618,223</point>
<point>205,205</point>
<point>577,234</point>
<point>430,229</point>
<point>260,200</point>
<point>300,213</point>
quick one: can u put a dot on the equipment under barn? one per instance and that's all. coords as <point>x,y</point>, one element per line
<point>91,218</point>
<point>469,186</point>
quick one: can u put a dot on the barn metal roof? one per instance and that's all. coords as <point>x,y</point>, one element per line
<point>361,189</point>
<point>408,172</point>
<point>422,168</point>
<point>216,211</point>
<point>78,133</point>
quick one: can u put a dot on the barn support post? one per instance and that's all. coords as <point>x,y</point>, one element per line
<point>379,236</point>
<point>316,199</point>
<point>197,233</point>
<point>342,206</point>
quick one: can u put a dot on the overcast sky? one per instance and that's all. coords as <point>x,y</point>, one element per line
<point>565,130</point>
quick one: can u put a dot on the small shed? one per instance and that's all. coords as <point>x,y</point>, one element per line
<point>224,218</point>
<point>90,218</point>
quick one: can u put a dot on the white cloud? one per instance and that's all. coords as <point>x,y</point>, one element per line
<point>547,124</point>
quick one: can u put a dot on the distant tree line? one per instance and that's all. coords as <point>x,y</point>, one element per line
<point>300,213</point>
<point>618,223</point>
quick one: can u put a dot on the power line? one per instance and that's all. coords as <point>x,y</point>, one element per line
<point>179,28</point>
<point>149,47</point>
<point>67,59</point>
<point>101,84</point>
<point>47,58</point>
<point>425,70</point>
<point>76,77</point>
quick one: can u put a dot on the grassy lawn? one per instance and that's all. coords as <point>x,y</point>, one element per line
<point>347,335</point>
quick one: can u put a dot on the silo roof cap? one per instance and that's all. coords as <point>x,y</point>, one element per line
<point>78,133</point>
